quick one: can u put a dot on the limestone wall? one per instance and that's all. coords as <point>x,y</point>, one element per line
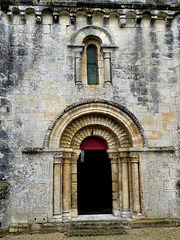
<point>159,171</point>
<point>37,79</point>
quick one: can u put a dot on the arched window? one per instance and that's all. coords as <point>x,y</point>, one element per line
<point>92,64</point>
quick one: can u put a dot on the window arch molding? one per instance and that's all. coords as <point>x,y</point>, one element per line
<point>105,49</point>
<point>82,33</point>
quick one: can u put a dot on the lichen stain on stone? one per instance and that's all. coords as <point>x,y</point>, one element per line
<point>139,84</point>
<point>37,45</point>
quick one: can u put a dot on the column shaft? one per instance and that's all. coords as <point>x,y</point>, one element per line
<point>125,185</point>
<point>74,207</point>
<point>66,187</point>
<point>57,188</point>
<point>120,184</point>
<point>115,182</point>
<point>135,184</point>
<point>78,68</point>
<point>107,67</point>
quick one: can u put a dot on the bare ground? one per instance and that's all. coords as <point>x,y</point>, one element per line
<point>132,234</point>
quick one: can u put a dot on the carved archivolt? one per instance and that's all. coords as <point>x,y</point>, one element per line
<point>95,125</point>
<point>99,131</point>
<point>116,127</point>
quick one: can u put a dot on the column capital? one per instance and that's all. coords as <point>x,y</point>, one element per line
<point>124,157</point>
<point>58,157</point>
<point>125,160</point>
<point>75,156</point>
<point>107,55</point>
<point>113,155</point>
<point>67,154</point>
<point>134,158</point>
<point>78,54</point>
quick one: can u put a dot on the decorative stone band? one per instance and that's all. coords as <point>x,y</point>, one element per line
<point>132,150</point>
<point>137,11</point>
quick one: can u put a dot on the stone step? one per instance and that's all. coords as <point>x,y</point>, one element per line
<point>89,227</point>
<point>95,228</point>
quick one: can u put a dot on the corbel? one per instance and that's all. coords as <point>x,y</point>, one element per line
<point>73,18</point>
<point>55,17</point>
<point>38,17</point>
<point>122,21</point>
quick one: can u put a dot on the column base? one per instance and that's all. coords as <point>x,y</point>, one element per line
<point>137,215</point>
<point>107,84</point>
<point>66,216</point>
<point>126,213</point>
<point>74,213</point>
<point>116,212</point>
<point>79,83</point>
<point>57,218</point>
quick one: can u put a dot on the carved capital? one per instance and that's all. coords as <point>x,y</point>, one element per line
<point>67,155</point>
<point>113,155</point>
<point>134,158</point>
<point>58,157</point>
<point>78,55</point>
<point>75,156</point>
<point>107,55</point>
<point>124,160</point>
<point>124,157</point>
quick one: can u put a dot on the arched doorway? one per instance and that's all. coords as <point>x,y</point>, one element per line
<point>123,136</point>
<point>94,181</point>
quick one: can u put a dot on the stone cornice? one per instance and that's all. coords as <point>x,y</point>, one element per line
<point>153,149</point>
<point>35,150</point>
<point>154,11</point>
<point>102,5</point>
<point>120,150</point>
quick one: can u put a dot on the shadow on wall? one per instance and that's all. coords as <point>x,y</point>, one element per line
<point>178,188</point>
<point>4,190</point>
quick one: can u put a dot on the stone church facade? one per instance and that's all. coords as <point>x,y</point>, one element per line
<point>84,80</point>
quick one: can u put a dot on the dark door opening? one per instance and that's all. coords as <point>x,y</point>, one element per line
<point>94,183</point>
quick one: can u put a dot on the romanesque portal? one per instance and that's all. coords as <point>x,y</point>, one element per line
<point>101,123</point>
